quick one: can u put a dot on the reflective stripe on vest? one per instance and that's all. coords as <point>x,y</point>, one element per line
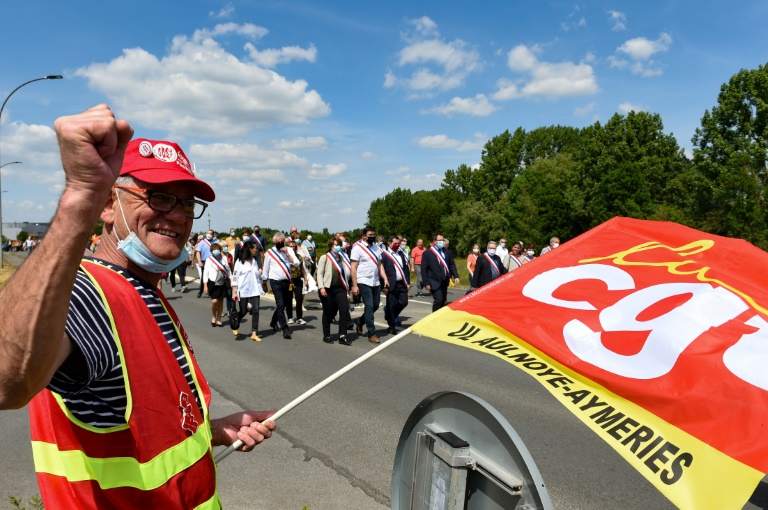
<point>66,448</point>
<point>114,472</point>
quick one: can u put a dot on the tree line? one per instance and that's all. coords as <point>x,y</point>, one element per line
<point>562,181</point>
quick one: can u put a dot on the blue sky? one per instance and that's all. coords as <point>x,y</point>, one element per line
<point>300,113</point>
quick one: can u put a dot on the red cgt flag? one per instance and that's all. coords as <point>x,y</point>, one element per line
<point>652,334</point>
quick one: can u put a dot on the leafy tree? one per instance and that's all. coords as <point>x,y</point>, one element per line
<point>539,205</point>
<point>22,236</point>
<point>474,222</point>
<point>730,154</point>
<point>388,214</point>
<point>627,168</point>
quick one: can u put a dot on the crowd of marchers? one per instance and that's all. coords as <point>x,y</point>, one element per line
<point>235,270</point>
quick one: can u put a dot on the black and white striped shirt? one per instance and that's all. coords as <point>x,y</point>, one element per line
<point>91,381</point>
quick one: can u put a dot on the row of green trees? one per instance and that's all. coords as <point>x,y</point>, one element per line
<point>562,181</point>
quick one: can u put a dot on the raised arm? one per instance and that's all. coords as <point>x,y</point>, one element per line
<point>35,302</point>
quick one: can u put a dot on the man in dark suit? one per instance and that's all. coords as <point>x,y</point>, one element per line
<point>399,278</point>
<point>488,267</point>
<point>437,267</point>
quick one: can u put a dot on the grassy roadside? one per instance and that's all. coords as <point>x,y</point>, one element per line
<point>6,272</point>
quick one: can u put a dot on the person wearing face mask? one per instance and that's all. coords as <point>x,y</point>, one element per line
<point>437,268</point>
<point>368,276</point>
<point>226,255</point>
<point>553,243</point>
<point>529,253</point>
<point>396,268</point>
<point>231,240</point>
<point>107,372</point>
<point>216,273</point>
<point>489,267</point>
<point>333,274</point>
<point>202,252</point>
<point>277,270</point>
<point>247,286</point>
<point>311,248</point>
<point>472,260</point>
<point>259,241</point>
<point>416,255</point>
<point>501,248</point>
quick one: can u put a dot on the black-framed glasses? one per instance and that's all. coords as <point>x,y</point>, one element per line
<point>162,201</point>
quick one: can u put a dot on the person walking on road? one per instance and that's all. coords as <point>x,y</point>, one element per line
<point>333,276</point>
<point>437,268</point>
<point>247,286</point>
<point>367,277</point>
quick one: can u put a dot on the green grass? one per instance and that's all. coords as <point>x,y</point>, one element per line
<point>461,266</point>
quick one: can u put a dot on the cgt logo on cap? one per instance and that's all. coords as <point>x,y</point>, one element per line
<point>165,153</point>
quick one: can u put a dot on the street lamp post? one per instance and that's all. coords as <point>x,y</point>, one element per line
<point>49,77</point>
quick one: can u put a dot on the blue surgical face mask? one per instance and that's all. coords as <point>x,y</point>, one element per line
<point>337,249</point>
<point>139,254</point>
<point>216,253</point>
<point>440,244</point>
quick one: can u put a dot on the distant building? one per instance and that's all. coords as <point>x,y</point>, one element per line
<point>11,230</point>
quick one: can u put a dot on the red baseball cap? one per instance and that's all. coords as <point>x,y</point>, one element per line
<point>159,162</point>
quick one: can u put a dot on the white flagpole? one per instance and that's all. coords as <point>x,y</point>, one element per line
<point>319,386</point>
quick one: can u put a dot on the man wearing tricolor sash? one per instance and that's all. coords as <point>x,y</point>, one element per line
<point>488,267</point>
<point>367,277</point>
<point>277,269</point>
<point>396,267</point>
<point>437,268</point>
<point>108,372</point>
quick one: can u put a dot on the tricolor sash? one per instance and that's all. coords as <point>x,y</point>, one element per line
<point>516,260</point>
<point>494,268</point>
<point>276,257</point>
<point>397,265</point>
<point>339,269</point>
<point>256,240</point>
<point>369,252</point>
<point>347,262</point>
<point>441,259</point>
<point>219,266</point>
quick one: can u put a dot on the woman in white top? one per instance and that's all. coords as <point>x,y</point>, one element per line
<point>215,274</point>
<point>247,285</point>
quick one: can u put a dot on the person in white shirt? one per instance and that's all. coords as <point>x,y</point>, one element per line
<point>277,269</point>
<point>501,249</point>
<point>215,273</point>
<point>367,272</point>
<point>247,286</point>
<point>553,243</point>
<point>298,278</point>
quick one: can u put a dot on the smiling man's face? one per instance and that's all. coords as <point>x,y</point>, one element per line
<point>163,233</point>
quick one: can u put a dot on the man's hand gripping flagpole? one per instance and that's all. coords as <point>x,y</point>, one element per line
<point>319,386</point>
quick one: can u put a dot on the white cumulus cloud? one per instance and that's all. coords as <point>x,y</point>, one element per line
<point>478,106</point>
<point>548,79</point>
<point>618,20</point>
<point>641,48</point>
<point>444,142</point>
<point>274,56</point>
<point>302,143</point>
<point>629,107</point>
<point>323,172</point>
<point>200,89</point>
<point>439,64</point>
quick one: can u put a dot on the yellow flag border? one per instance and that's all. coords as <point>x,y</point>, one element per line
<point>689,472</point>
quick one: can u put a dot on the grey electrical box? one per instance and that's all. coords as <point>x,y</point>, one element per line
<point>456,452</point>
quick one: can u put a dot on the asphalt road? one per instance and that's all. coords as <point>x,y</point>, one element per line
<point>336,450</point>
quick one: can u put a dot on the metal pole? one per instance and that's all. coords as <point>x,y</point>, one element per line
<point>49,77</point>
